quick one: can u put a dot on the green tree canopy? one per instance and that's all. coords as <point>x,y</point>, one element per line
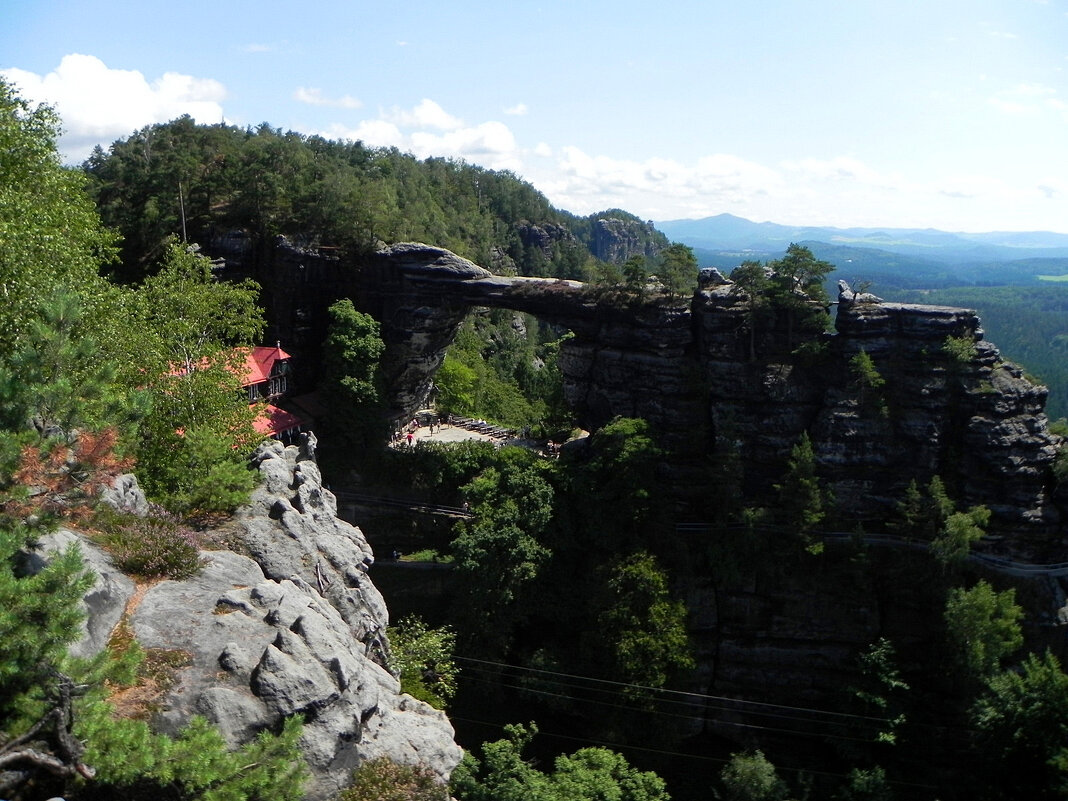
<point>50,234</point>
<point>1023,723</point>
<point>641,631</point>
<point>749,776</point>
<point>39,616</point>
<point>590,774</point>
<point>796,287</point>
<point>983,627</point>
<point>350,384</point>
<point>960,532</point>
<point>500,553</point>
<point>615,485</point>
<point>751,281</point>
<point>57,378</point>
<point>677,270</point>
<point>801,498</point>
<point>194,442</point>
<point>423,658</point>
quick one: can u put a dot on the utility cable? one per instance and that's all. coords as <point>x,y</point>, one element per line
<point>686,695</point>
<point>718,722</point>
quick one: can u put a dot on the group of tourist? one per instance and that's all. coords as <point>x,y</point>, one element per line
<point>406,433</point>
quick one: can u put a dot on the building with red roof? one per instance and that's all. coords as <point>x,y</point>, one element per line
<point>264,375</point>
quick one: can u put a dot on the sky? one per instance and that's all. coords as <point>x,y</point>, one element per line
<point>949,114</point>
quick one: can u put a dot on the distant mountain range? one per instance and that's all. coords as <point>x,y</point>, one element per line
<point>898,257</point>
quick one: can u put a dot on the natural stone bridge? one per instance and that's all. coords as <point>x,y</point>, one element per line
<point>689,370</point>
<point>421,295</point>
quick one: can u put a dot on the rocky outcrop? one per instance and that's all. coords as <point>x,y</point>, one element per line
<point>292,531</point>
<point>260,650</point>
<point>615,240</point>
<point>544,237</point>
<point>967,415</point>
<point>293,627</point>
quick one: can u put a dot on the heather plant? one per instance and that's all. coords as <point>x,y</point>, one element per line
<point>382,779</point>
<point>155,546</point>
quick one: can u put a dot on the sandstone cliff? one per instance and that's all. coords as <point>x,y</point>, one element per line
<point>709,382</point>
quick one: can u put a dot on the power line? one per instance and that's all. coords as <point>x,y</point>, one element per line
<point>687,696</point>
<point>740,706</point>
<point>717,721</point>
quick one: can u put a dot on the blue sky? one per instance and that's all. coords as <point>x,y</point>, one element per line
<point>904,113</point>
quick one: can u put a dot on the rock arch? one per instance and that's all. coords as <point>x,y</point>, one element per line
<point>688,369</point>
<point>622,360</point>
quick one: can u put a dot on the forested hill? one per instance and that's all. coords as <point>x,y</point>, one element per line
<point>196,181</point>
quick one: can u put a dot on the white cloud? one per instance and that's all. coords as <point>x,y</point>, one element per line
<point>315,97</point>
<point>427,114</point>
<point>658,187</point>
<point>1027,98</point>
<point>543,150</point>
<point>518,110</point>
<point>257,48</point>
<point>373,133</point>
<point>841,169</point>
<point>490,144</point>
<point>99,105</point>
<point>970,187</point>
<point>428,130</point>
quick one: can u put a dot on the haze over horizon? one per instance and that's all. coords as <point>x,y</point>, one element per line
<point>950,115</point>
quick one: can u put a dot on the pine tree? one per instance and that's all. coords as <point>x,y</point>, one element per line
<point>801,498</point>
<point>56,380</point>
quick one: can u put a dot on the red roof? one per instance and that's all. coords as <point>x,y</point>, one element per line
<point>257,368</point>
<point>259,364</point>
<point>273,420</point>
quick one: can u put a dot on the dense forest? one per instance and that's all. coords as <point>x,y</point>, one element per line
<point>198,182</point>
<point>565,604</point>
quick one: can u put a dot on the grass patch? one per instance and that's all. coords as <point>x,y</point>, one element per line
<point>1055,279</point>
<point>426,555</point>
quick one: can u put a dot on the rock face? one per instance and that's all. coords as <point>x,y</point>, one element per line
<point>297,629</point>
<point>615,240</point>
<point>104,604</point>
<point>703,376</point>
<point>294,628</point>
<point>543,237</point>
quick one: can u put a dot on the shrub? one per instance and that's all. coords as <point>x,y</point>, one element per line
<point>383,779</point>
<point>157,546</point>
<point>750,776</point>
<point>423,658</point>
<point>1060,465</point>
<point>960,350</point>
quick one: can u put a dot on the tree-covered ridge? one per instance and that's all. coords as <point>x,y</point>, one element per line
<point>196,181</point>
